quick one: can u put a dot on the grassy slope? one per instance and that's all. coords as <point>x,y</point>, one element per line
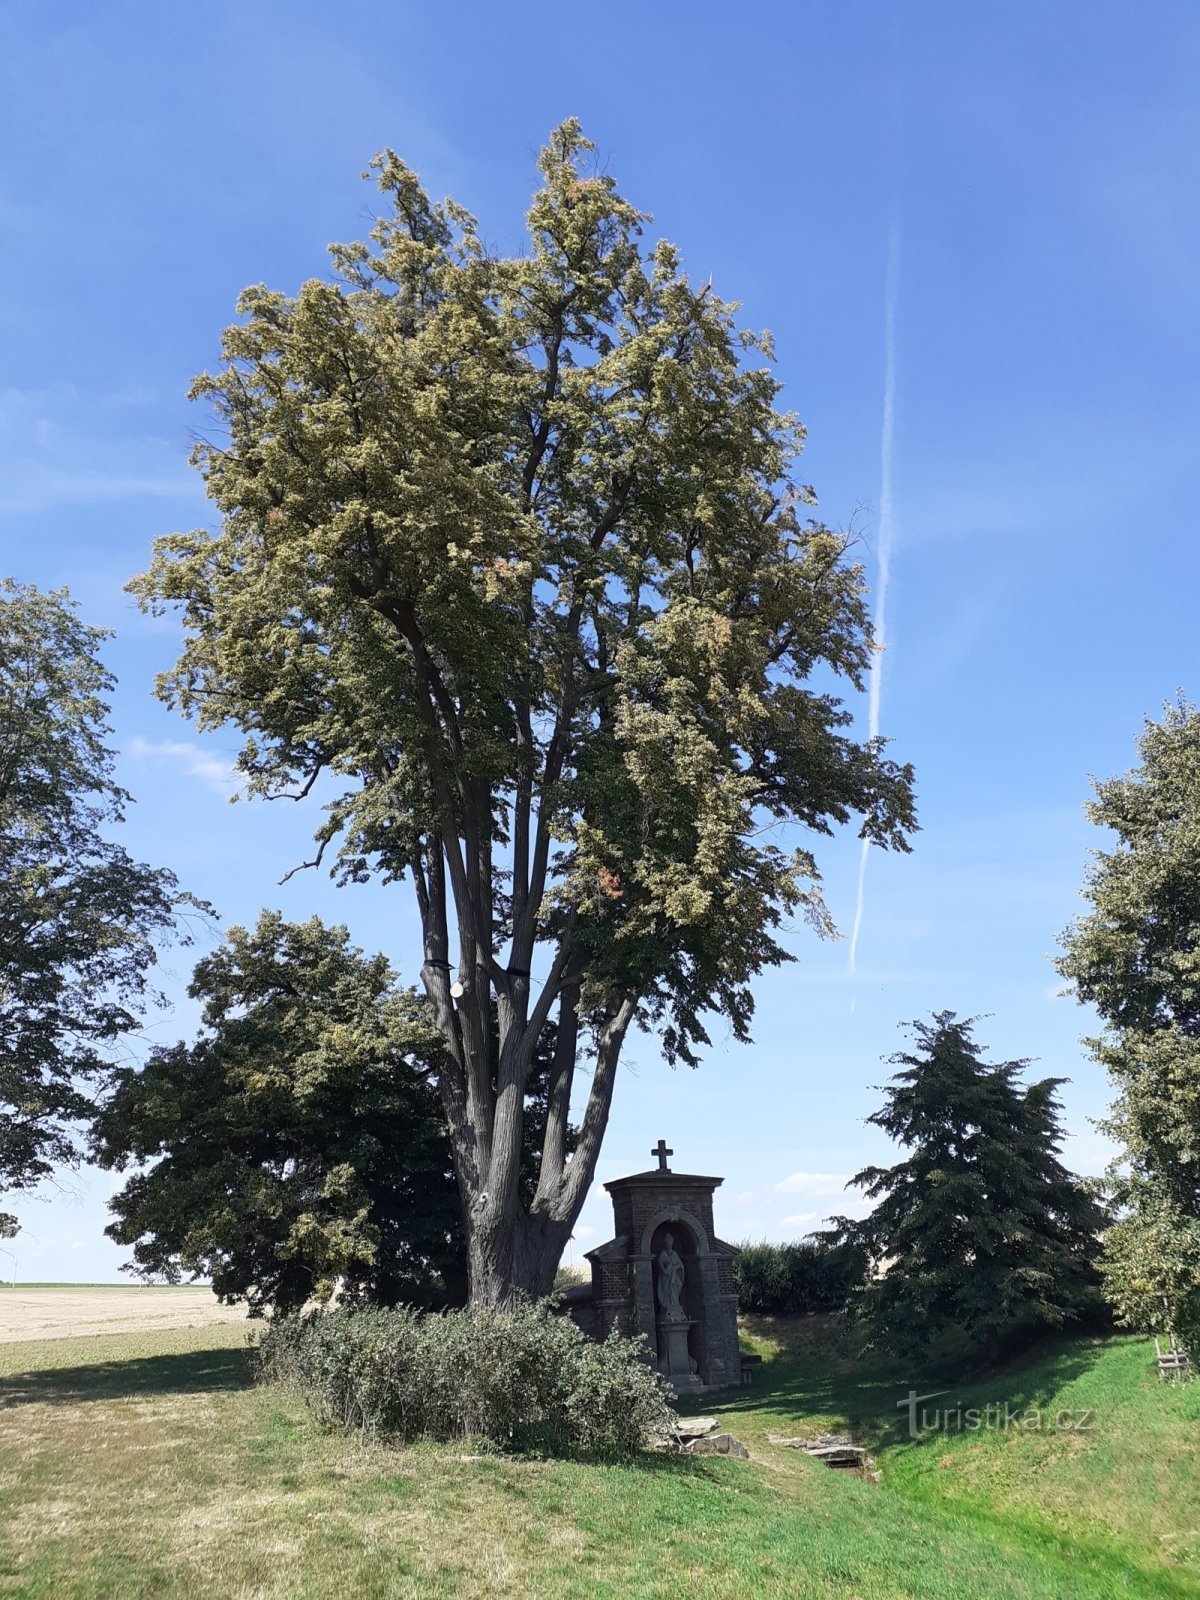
<point>154,1470</point>
<point>1111,1485</point>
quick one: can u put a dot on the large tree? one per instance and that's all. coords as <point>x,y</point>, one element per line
<point>979,1230</point>
<point>511,552</point>
<point>79,918</point>
<point>298,1142</point>
<point>1135,955</point>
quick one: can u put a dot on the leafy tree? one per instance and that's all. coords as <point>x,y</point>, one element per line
<point>980,1229</point>
<point>1136,957</point>
<point>511,552</point>
<point>78,916</point>
<point>300,1139</point>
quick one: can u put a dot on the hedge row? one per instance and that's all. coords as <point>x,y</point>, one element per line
<point>791,1279</point>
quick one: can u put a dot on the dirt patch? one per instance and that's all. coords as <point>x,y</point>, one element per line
<point>80,1312</point>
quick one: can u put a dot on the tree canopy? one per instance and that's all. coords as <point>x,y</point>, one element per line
<point>79,918</point>
<point>980,1230</point>
<point>513,560</point>
<point>298,1143</point>
<point>1135,955</point>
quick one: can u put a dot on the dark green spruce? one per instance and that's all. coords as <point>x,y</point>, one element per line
<point>979,1231</point>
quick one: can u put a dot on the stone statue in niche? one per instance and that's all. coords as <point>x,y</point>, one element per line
<point>670,1279</point>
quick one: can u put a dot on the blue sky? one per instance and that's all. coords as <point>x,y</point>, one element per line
<point>1037,169</point>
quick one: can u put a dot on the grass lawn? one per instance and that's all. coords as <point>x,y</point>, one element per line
<point>149,1466</point>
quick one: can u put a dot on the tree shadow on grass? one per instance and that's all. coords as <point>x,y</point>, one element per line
<point>818,1379</point>
<point>191,1372</point>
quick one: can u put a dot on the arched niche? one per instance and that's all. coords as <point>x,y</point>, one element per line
<point>677,1214</point>
<point>690,1243</point>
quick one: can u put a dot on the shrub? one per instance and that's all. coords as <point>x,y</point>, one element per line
<point>521,1379</point>
<point>615,1402</point>
<point>569,1278</point>
<point>788,1279</point>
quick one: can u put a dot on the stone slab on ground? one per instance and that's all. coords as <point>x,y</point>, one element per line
<point>694,1427</point>
<point>718,1444</point>
<point>834,1449</point>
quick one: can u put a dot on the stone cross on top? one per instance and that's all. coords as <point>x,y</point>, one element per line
<point>660,1150</point>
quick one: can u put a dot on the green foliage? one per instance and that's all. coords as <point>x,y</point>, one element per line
<point>981,1229</point>
<point>299,1140</point>
<point>79,917</point>
<point>570,1278</point>
<point>1150,1263</point>
<point>809,1275</point>
<point>1136,956</point>
<point>512,553</point>
<point>520,1378</point>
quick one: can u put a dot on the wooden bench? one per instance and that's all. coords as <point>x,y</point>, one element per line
<point>1174,1364</point>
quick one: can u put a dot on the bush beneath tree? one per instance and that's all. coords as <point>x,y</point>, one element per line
<point>524,1380</point>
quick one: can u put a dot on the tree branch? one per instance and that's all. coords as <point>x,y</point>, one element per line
<point>558,1099</point>
<point>304,866</point>
<point>582,1167</point>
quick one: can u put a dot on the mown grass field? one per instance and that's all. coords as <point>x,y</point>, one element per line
<point>148,1465</point>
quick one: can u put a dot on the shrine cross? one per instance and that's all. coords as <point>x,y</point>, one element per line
<point>660,1150</point>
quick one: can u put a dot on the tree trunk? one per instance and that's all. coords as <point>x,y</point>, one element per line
<point>507,1263</point>
<point>512,1254</point>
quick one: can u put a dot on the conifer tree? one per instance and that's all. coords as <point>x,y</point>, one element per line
<point>980,1229</point>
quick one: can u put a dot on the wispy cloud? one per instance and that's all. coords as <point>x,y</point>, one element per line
<point>216,771</point>
<point>814,1183</point>
<point>60,446</point>
<point>32,486</point>
<point>1088,1154</point>
<point>851,1205</point>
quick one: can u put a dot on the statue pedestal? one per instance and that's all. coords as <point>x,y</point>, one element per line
<point>674,1361</point>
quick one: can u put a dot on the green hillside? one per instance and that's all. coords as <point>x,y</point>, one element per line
<point>156,1470</point>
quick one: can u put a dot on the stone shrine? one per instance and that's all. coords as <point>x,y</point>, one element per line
<point>668,1276</point>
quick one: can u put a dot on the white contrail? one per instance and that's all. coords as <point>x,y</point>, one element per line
<point>886,529</point>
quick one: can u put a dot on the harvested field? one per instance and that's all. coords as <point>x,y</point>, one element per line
<point>69,1311</point>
